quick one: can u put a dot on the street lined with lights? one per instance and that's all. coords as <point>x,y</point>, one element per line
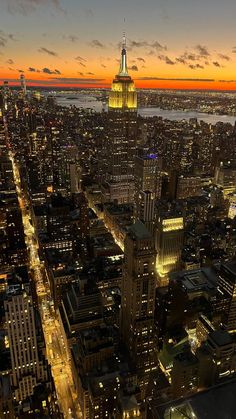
<point>55,345</point>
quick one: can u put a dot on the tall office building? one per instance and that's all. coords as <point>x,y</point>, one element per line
<point>227,289</point>
<point>6,93</point>
<point>145,209</point>
<point>225,176</point>
<point>121,137</point>
<point>23,85</point>
<point>147,173</point>
<point>138,300</point>
<point>147,179</point>
<point>1,103</point>
<point>29,367</point>
<point>169,244</point>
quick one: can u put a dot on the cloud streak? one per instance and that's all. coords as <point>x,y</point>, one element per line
<point>166,59</point>
<point>75,80</point>
<point>71,38</point>
<point>48,71</point>
<point>133,68</point>
<point>5,37</point>
<point>224,57</point>
<point>202,51</point>
<point>196,66</point>
<point>44,50</point>
<point>60,80</point>
<point>155,45</point>
<point>33,70</point>
<point>175,79</point>
<point>96,44</point>
<point>141,59</point>
<point>216,64</point>
<point>26,7</point>
<point>81,61</point>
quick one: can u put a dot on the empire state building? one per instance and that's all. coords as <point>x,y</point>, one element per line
<point>121,136</point>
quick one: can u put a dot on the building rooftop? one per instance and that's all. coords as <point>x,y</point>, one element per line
<point>221,337</point>
<point>230,267</point>
<point>129,403</point>
<point>118,210</point>
<point>140,231</point>
<point>199,279</point>
<point>186,358</point>
<point>216,403</point>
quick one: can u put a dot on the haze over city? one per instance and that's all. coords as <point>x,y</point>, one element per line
<point>171,44</point>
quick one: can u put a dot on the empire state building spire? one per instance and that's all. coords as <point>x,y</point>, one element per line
<point>123,64</point>
<point>123,94</point>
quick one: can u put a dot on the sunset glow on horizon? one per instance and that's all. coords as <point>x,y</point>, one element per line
<point>170,45</point>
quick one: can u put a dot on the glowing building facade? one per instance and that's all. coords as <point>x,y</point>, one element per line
<point>225,176</point>
<point>169,243</point>
<point>121,138</point>
<point>29,367</point>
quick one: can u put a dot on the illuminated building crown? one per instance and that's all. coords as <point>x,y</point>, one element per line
<point>123,94</point>
<point>123,64</point>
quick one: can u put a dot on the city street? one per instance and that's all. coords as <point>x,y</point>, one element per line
<point>55,345</point>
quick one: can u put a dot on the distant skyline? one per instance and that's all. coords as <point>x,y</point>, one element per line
<point>175,44</point>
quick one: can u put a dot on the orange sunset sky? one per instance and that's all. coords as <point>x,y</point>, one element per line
<point>172,44</point>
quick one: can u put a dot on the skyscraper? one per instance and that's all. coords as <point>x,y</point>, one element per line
<point>225,176</point>
<point>169,243</point>
<point>121,136</point>
<point>147,173</point>
<point>6,93</point>
<point>1,103</point>
<point>138,300</point>
<point>227,289</point>
<point>29,367</point>
<point>145,209</point>
<point>23,85</point>
<point>147,181</point>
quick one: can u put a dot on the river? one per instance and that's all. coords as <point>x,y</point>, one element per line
<point>86,101</point>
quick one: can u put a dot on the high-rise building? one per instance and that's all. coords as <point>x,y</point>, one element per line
<point>227,289</point>
<point>23,85</point>
<point>138,300</point>
<point>184,186</point>
<point>147,174</point>
<point>1,103</point>
<point>225,176</point>
<point>145,209</point>
<point>29,367</point>
<point>232,206</point>
<point>121,137</point>
<point>169,243</point>
<point>6,93</point>
<point>217,359</point>
<point>216,197</point>
<point>147,179</point>
<point>184,375</point>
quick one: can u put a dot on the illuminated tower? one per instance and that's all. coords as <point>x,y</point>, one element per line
<point>1,104</point>
<point>6,93</point>
<point>138,300</point>
<point>121,136</point>
<point>147,173</point>
<point>23,85</point>
<point>169,244</point>
<point>123,95</point>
